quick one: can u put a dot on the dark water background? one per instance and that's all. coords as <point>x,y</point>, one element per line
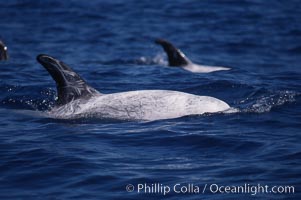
<point>110,43</point>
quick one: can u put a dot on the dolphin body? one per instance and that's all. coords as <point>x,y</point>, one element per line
<point>176,58</point>
<point>76,99</point>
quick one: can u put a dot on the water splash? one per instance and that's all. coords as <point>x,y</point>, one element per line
<point>23,98</point>
<point>159,59</point>
<point>265,102</point>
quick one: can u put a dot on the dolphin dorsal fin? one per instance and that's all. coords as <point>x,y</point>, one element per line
<point>70,86</point>
<point>175,56</point>
<point>3,51</point>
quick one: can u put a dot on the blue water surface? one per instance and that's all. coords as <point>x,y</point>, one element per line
<point>110,44</point>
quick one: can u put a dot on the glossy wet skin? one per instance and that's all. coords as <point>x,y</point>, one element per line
<point>3,51</point>
<point>77,99</point>
<point>70,85</point>
<point>176,58</point>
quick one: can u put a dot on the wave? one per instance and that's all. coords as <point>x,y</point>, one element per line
<point>257,101</point>
<point>295,50</point>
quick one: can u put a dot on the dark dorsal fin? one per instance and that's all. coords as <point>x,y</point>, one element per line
<point>70,85</point>
<point>175,56</point>
<point>3,51</point>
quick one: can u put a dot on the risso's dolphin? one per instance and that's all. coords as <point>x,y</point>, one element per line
<point>176,58</point>
<point>76,99</point>
<point>3,51</point>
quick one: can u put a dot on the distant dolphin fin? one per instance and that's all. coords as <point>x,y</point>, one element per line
<point>3,51</point>
<point>70,85</point>
<point>175,56</point>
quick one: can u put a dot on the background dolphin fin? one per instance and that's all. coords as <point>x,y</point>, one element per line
<point>175,56</point>
<point>3,51</point>
<point>70,85</point>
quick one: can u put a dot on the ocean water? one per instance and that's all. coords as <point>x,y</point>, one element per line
<point>111,45</point>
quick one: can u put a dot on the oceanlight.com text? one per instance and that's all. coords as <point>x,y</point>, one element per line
<point>192,188</point>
